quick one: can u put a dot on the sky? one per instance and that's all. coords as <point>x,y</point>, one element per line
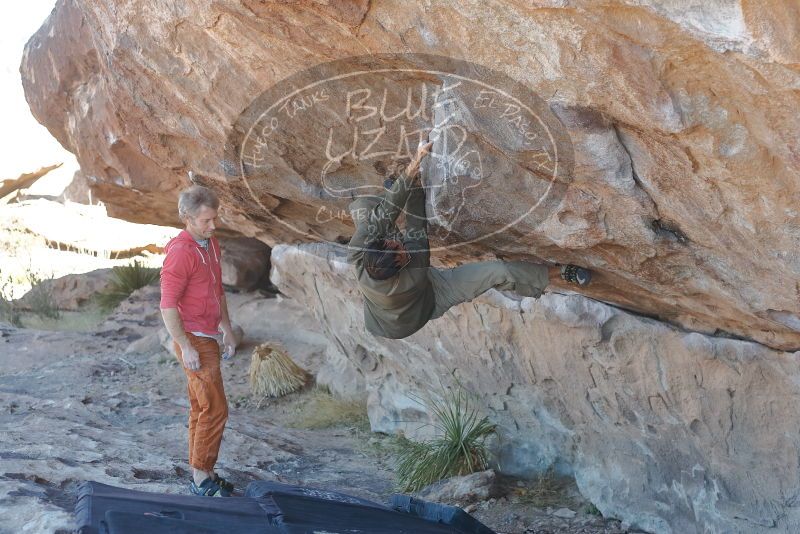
<point>25,145</point>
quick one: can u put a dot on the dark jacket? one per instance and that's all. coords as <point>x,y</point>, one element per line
<point>397,307</point>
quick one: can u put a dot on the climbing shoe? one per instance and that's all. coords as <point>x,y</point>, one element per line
<point>210,488</point>
<point>576,275</point>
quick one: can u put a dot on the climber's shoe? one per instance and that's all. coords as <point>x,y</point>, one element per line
<point>216,487</point>
<point>207,488</point>
<point>388,183</point>
<point>576,275</point>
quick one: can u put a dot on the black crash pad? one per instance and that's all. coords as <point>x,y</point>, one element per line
<point>268,507</point>
<point>103,509</point>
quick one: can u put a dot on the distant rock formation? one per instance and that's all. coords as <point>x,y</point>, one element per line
<point>24,180</point>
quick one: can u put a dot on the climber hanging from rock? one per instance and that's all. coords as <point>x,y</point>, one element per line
<point>402,292</point>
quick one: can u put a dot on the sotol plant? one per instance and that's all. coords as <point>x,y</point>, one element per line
<point>460,448</point>
<point>125,280</point>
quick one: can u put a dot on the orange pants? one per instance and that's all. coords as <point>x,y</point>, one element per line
<point>208,407</point>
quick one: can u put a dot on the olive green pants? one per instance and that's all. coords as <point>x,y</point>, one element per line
<point>464,283</point>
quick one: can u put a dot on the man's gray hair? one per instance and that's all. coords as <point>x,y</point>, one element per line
<point>193,198</point>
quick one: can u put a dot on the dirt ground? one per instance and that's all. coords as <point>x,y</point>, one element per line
<point>108,404</point>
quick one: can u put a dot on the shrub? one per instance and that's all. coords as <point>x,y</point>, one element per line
<point>125,280</point>
<point>460,449</point>
<point>40,297</point>
<point>8,310</point>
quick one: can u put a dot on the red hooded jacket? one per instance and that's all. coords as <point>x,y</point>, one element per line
<point>191,281</point>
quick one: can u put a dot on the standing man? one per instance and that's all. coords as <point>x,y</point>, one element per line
<point>402,292</point>
<point>194,310</point>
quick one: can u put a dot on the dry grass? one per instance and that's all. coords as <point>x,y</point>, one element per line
<point>85,320</point>
<point>273,373</point>
<point>547,489</point>
<point>321,409</point>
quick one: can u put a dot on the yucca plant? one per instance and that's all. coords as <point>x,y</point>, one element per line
<point>460,448</point>
<point>126,279</point>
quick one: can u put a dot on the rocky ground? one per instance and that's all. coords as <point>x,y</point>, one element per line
<point>108,404</point>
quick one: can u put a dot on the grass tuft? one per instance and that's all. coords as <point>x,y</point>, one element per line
<point>325,410</point>
<point>460,449</point>
<point>591,509</point>
<point>547,489</point>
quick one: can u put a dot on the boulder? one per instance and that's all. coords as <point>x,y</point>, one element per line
<point>78,189</point>
<point>669,430</point>
<point>73,291</point>
<point>676,121</point>
<point>564,513</point>
<point>245,263</point>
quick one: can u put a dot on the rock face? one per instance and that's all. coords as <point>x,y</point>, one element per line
<point>681,118</point>
<point>672,431</point>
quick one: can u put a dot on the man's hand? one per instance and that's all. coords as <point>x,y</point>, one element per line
<point>172,320</point>
<point>191,359</point>
<point>413,168</point>
<point>228,343</point>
